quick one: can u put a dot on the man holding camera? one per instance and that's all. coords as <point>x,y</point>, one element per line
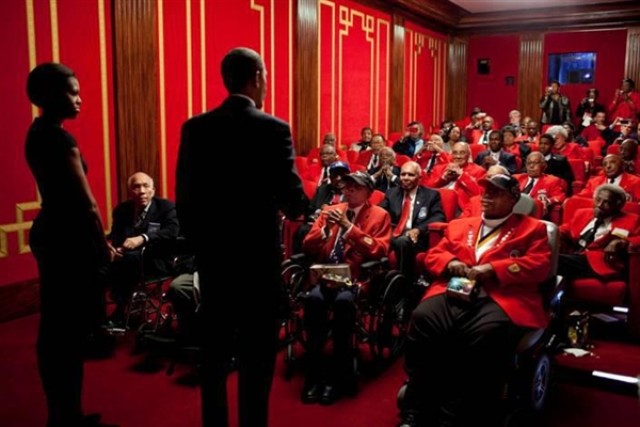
<point>626,102</point>
<point>412,141</point>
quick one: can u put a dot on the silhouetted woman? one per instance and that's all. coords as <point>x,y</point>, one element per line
<point>68,242</point>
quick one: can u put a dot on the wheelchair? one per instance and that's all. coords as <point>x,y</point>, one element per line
<point>526,386</point>
<point>380,324</point>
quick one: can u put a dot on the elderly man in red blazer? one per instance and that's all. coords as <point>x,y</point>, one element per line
<point>595,241</point>
<point>458,350</point>
<point>548,189</point>
<point>613,173</point>
<point>352,233</point>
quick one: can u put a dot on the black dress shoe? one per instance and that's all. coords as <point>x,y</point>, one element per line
<point>409,420</point>
<point>311,394</point>
<point>329,395</point>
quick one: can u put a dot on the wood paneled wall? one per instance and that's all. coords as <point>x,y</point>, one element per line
<point>456,100</point>
<point>307,76</point>
<point>530,72</point>
<point>396,91</point>
<point>632,62</point>
<point>135,85</point>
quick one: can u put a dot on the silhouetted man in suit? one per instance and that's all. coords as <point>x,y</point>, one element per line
<point>246,308</point>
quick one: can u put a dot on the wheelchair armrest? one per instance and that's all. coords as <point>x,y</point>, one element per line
<point>300,258</point>
<point>370,265</point>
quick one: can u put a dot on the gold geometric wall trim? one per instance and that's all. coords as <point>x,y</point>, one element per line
<point>20,226</point>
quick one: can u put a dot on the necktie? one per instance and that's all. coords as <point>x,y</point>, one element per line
<point>529,186</point>
<point>404,216</point>
<point>432,162</point>
<point>324,177</point>
<point>589,236</point>
<point>374,161</point>
<point>337,254</point>
<point>485,137</point>
<point>140,220</point>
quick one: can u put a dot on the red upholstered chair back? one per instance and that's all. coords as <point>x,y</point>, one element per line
<point>613,149</point>
<point>352,156</point>
<point>449,201</point>
<point>393,138</point>
<point>477,149</point>
<point>357,167</point>
<point>579,173</point>
<point>376,197</point>
<point>309,188</point>
<point>572,204</point>
<point>301,164</point>
<point>401,159</point>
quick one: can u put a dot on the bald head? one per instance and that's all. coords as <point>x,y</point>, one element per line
<point>141,189</point>
<point>629,150</point>
<point>410,175</point>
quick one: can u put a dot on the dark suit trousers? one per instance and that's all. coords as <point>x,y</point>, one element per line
<point>457,357</point>
<point>240,315</point>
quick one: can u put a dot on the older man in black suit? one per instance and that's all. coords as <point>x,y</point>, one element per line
<point>245,308</point>
<point>412,208</point>
<point>143,221</point>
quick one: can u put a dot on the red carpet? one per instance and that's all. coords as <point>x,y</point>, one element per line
<point>131,398</point>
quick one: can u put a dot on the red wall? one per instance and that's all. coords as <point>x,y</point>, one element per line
<point>354,70</point>
<point>425,73</point>
<point>266,26</point>
<point>490,92</point>
<point>76,43</point>
<point>610,47</point>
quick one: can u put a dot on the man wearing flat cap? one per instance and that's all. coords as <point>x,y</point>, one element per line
<point>458,349</point>
<point>352,232</point>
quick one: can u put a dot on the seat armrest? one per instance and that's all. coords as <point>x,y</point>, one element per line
<point>369,265</point>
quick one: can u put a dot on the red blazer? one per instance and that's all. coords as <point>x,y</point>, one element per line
<point>571,150</point>
<point>466,185</point>
<point>521,257</point>
<point>629,183</point>
<point>548,185</point>
<point>595,251</point>
<point>424,158</point>
<point>368,239</point>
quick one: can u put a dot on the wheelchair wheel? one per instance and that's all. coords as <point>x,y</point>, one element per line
<point>387,326</point>
<point>400,397</point>
<point>539,384</point>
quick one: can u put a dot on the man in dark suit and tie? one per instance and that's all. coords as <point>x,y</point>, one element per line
<point>143,221</point>
<point>412,208</point>
<point>496,155</point>
<point>245,309</point>
<point>557,164</point>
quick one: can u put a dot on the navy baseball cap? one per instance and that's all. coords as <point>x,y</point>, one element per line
<point>339,165</point>
<point>362,179</point>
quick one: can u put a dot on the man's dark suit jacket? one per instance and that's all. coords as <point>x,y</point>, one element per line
<point>507,160</point>
<point>160,225</point>
<point>427,208</point>
<point>559,166</point>
<point>262,148</point>
<point>323,196</point>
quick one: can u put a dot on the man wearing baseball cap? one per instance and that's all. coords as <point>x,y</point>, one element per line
<point>350,232</point>
<point>459,348</point>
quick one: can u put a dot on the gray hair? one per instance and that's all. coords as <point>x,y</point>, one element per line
<point>557,129</point>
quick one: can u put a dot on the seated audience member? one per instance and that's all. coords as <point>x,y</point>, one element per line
<point>613,173</point>
<point>474,206</point>
<point>143,221</point>
<point>486,128</point>
<point>351,232</point>
<point>460,174</point>
<point>181,294</point>
<point>411,142</point>
<point>495,154</point>
<point>518,148</point>
<point>531,135</point>
<point>454,136</point>
<point>432,153</point>
<point>365,139</point>
<point>595,241</point>
<point>473,123</point>
<point>329,193</point>
<point>385,175</point>
<point>412,208</point>
<point>319,172</point>
<point>594,130</point>
<point>557,164</point>
<point>548,189</point>
<point>618,131</point>
<point>571,135</point>
<point>626,101</point>
<point>459,351</point>
<point>570,150</point>
<point>515,121</point>
<point>629,155</point>
<point>588,110</point>
<point>445,128</point>
<point>314,155</point>
<point>370,159</point>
